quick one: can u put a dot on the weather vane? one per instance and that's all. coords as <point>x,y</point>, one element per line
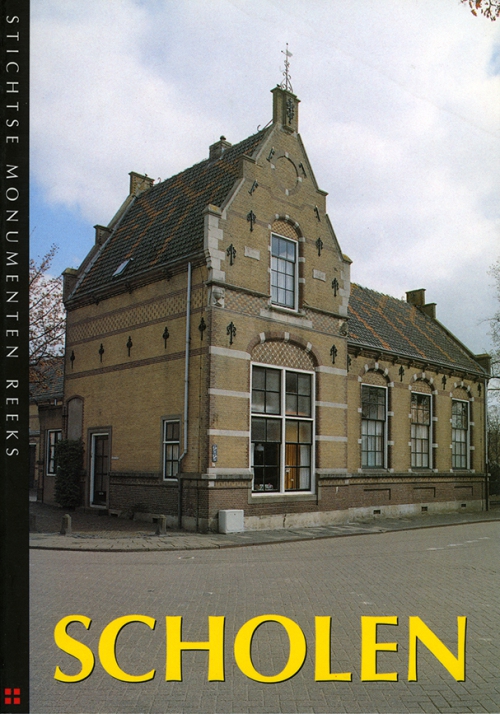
<point>286,74</point>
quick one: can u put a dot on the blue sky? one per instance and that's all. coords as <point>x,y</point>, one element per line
<point>400,116</point>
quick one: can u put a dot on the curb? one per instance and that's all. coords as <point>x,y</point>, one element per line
<point>219,546</point>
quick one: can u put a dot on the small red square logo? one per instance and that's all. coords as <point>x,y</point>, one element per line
<point>12,696</point>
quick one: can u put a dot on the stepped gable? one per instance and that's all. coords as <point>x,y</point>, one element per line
<point>381,322</point>
<point>165,223</point>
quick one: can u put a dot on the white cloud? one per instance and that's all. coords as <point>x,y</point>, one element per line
<point>399,115</point>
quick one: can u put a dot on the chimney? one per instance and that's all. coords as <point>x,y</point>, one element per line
<point>417,298</point>
<point>217,149</point>
<point>485,362</point>
<point>101,233</point>
<point>429,309</point>
<point>139,183</point>
<point>70,276</point>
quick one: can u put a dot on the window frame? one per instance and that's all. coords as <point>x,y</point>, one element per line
<point>170,442</point>
<point>384,424</point>
<point>276,303</point>
<point>413,439</point>
<point>283,419</point>
<point>466,441</point>
<point>51,447</point>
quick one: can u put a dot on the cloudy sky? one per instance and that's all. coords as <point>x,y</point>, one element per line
<point>400,116</point>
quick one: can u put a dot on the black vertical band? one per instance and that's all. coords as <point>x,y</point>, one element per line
<point>14,279</point>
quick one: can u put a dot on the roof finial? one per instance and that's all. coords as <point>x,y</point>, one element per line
<point>286,74</point>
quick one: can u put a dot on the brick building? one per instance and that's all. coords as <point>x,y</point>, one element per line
<point>218,357</point>
<point>45,424</point>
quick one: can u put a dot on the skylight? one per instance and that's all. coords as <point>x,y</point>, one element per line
<point>121,267</point>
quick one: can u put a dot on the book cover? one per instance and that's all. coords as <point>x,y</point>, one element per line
<point>245,203</point>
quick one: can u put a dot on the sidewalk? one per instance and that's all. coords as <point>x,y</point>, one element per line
<point>91,532</point>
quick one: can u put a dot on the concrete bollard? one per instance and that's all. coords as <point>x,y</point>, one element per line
<point>161,525</point>
<point>66,525</point>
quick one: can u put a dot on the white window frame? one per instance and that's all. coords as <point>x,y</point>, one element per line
<point>283,417</point>
<point>416,439</point>
<point>378,421</point>
<point>51,445</point>
<point>467,438</point>
<point>170,442</point>
<point>276,303</point>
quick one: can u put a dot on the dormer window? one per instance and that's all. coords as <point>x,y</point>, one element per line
<point>284,272</point>
<point>121,268</point>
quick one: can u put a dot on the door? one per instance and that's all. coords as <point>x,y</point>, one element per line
<point>99,482</point>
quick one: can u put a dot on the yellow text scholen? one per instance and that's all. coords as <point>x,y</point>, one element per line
<point>417,630</point>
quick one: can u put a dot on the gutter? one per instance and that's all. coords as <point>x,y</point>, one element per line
<point>388,355</point>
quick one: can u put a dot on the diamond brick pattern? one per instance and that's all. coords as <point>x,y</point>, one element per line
<point>283,354</point>
<point>131,317</point>
<point>284,229</point>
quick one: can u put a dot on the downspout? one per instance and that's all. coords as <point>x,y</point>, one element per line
<point>486,460</point>
<point>186,393</point>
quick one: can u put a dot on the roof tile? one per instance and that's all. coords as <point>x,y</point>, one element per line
<point>385,323</point>
<point>165,223</point>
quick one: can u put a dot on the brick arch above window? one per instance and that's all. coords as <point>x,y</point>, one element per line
<point>461,393</point>
<point>375,377</point>
<point>284,352</point>
<point>421,385</point>
<point>287,228</point>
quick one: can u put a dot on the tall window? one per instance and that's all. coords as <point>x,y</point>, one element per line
<point>459,434</point>
<point>373,426</point>
<point>282,430</point>
<point>53,438</point>
<point>171,443</point>
<point>283,271</point>
<point>420,430</point>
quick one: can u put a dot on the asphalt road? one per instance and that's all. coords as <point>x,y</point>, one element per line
<point>436,574</point>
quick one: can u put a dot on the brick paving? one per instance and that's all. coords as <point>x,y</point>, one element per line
<point>435,573</point>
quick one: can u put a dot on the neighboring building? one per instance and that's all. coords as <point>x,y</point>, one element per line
<point>46,425</point>
<point>218,357</point>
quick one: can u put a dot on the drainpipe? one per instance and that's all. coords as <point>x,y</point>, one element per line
<point>186,392</point>
<point>486,460</point>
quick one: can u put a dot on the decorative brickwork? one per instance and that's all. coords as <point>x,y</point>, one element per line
<point>285,228</point>
<point>421,386</point>
<point>376,378</point>
<point>127,318</point>
<point>244,303</point>
<point>323,323</point>
<point>283,354</point>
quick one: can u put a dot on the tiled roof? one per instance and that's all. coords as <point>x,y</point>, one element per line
<point>165,223</point>
<point>46,380</point>
<point>385,323</point>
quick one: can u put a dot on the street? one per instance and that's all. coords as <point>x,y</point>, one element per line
<point>435,574</point>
